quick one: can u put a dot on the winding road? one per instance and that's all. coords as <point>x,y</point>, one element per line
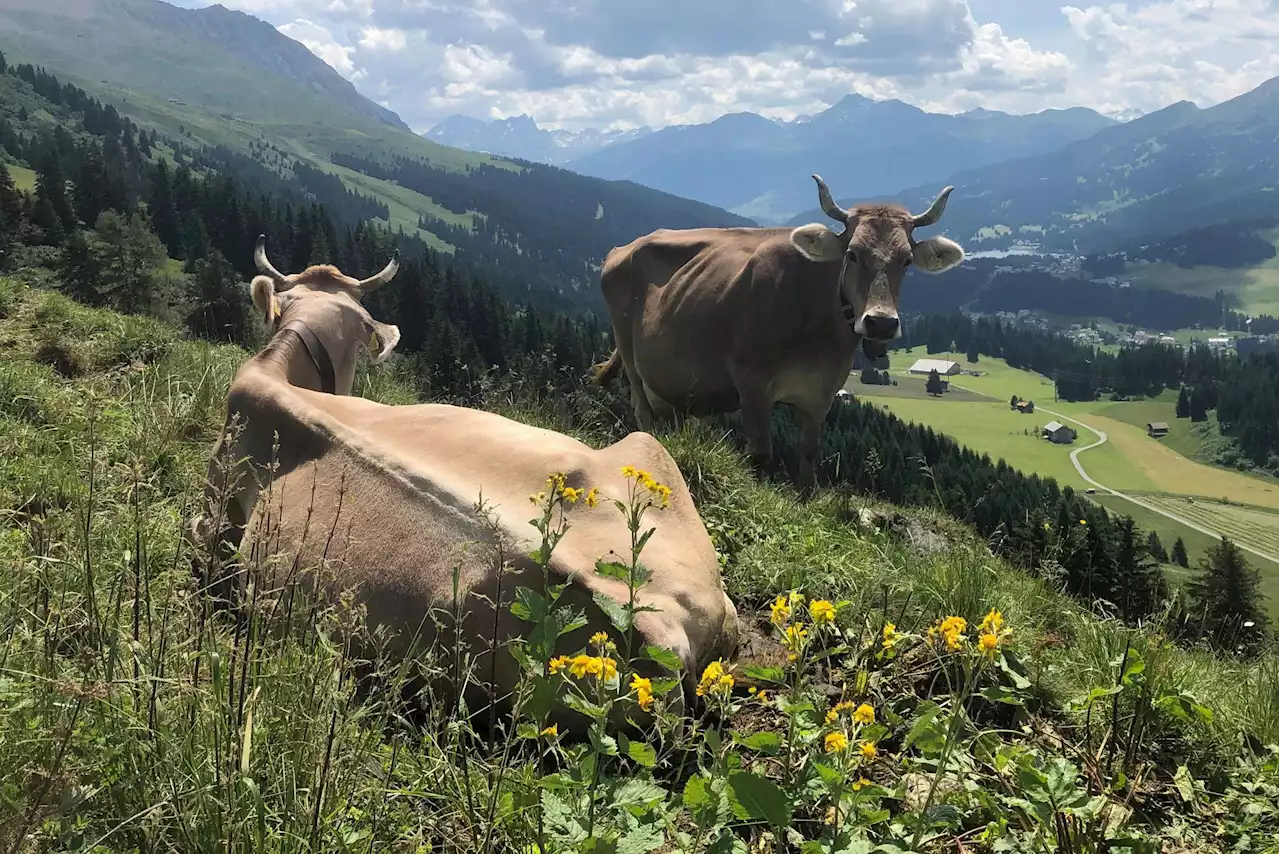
<point>1102,440</point>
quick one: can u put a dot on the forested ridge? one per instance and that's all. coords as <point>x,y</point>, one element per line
<point>108,209</point>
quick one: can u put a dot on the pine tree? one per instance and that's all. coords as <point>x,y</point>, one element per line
<point>1156,549</point>
<point>130,256</point>
<point>1141,583</point>
<point>11,219</point>
<point>81,271</point>
<point>1226,600</point>
<point>972,356</point>
<point>934,384</point>
<point>222,311</point>
<point>52,204</point>
<point>1179,553</point>
<point>1183,407</point>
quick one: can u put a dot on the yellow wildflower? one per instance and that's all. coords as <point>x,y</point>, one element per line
<point>581,665</point>
<point>556,481</point>
<point>1046,526</point>
<point>864,714</point>
<point>592,497</point>
<point>629,472</point>
<point>822,611</point>
<point>610,668</point>
<point>988,643</point>
<point>796,598</point>
<point>551,731</point>
<point>714,680</point>
<point>557,664</point>
<point>842,706</point>
<point>780,611</point>
<point>1083,522</point>
<point>537,498</point>
<point>890,635</point>
<point>831,816</point>
<point>795,638</point>
<point>868,749</point>
<point>836,742</point>
<point>600,638</point>
<point>571,495</point>
<point>644,691</point>
<point>993,622</point>
<point>763,696</point>
<point>861,782</point>
<point>952,631</point>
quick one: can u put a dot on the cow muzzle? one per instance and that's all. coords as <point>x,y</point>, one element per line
<point>879,326</point>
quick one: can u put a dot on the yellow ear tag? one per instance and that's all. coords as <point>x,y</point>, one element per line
<point>275,308</point>
<point>373,341</point>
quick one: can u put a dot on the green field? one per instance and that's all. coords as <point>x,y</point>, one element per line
<point>1159,471</point>
<point>23,178</point>
<point>1256,288</point>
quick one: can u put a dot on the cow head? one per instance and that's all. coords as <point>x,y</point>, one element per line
<point>325,302</point>
<point>875,249</point>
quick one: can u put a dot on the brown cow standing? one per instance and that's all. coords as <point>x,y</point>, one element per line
<point>716,320</point>
<point>389,491</point>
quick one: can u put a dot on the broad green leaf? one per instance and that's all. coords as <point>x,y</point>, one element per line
<point>613,569</point>
<point>666,657</point>
<point>765,674</point>
<point>696,795</point>
<point>639,751</point>
<point>928,729</point>
<point>641,840</point>
<point>768,743</point>
<point>757,798</point>
<point>1182,780</point>
<point>617,614</point>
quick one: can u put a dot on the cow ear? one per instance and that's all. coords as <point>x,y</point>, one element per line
<point>816,242</point>
<point>383,340</point>
<point>263,291</point>
<point>936,254</point>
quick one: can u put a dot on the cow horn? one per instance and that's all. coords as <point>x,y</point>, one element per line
<point>260,260</point>
<point>934,213</point>
<point>829,206</point>
<point>383,277</point>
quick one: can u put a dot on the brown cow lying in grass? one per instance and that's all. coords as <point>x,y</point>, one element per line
<point>387,496</point>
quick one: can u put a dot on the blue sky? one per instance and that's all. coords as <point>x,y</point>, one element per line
<point>623,63</point>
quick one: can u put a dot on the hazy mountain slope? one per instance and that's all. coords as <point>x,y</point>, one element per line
<point>1170,171</point>
<point>760,167</point>
<point>218,78</point>
<point>520,136</point>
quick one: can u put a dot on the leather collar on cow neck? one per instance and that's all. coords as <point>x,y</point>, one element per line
<point>872,349</point>
<point>319,355</point>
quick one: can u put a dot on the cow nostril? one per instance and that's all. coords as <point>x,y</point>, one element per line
<point>880,326</point>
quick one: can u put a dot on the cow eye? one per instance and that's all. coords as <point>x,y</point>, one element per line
<point>852,256</point>
<point>906,262</point>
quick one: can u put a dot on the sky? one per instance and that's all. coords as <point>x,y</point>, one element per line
<point>576,64</point>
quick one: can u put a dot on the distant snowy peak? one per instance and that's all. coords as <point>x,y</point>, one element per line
<point>1126,115</point>
<point>519,136</point>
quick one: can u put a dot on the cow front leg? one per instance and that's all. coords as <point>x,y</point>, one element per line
<point>810,424</point>
<point>757,411</point>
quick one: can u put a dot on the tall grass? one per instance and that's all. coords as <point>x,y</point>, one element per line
<point>136,716</point>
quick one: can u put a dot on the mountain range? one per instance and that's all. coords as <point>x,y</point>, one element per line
<point>1172,170</point>
<point>759,167</point>
<point>230,82</point>
<point>520,137</point>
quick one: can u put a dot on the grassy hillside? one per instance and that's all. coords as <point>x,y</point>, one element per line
<point>976,413</point>
<point>137,719</point>
<point>217,78</point>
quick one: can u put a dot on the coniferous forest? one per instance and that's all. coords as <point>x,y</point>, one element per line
<point>112,204</point>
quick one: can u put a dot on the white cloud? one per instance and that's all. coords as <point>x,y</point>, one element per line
<point>623,63</point>
<point>321,42</point>
<point>376,38</point>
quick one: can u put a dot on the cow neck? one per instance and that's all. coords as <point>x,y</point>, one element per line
<point>317,351</point>
<point>846,307</point>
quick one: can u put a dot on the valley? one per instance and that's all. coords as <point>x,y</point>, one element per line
<point>976,412</point>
